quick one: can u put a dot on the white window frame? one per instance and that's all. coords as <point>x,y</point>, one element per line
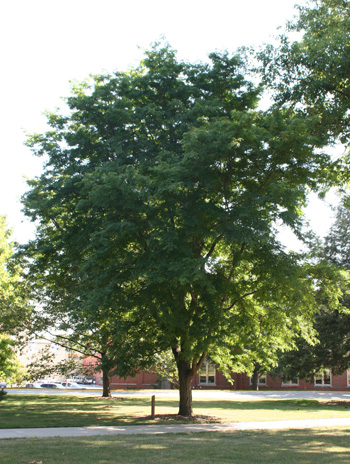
<point>206,365</point>
<point>348,377</point>
<point>290,383</point>
<point>262,380</point>
<point>321,376</point>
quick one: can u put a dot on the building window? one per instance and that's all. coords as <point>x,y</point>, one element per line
<point>290,382</point>
<point>348,377</point>
<point>323,379</point>
<point>207,374</point>
<point>261,381</point>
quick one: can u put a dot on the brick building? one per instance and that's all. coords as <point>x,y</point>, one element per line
<point>210,377</point>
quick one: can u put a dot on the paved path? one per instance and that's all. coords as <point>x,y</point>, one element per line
<point>176,428</point>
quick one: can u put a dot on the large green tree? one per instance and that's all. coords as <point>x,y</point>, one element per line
<point>159,202</point>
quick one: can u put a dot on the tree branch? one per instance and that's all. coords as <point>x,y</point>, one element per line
<point>238,299</point>
<point>212,248</point>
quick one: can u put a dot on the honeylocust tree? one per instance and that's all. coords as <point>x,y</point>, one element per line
<point>159,204</point>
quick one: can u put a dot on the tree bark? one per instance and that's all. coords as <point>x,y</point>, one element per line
<point>106,384</point>
<point>255,379</point>
<point>185,388</point>
<point>105,377</point>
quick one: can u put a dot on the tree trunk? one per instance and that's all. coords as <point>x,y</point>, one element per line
<point>106,384</point>
<point>105,367</point>
<point>255,379</point>
<point>185,388</point>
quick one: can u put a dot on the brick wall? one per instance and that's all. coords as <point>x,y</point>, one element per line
<point>143,380</point>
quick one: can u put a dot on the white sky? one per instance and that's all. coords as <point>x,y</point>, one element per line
<point>47,43</point>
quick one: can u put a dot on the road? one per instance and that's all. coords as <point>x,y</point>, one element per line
<point>240,395</point>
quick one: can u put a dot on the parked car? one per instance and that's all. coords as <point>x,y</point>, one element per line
<point>87,381</point>
<point>71,385</point>
<point>50,385</point>
<point>3,384</point>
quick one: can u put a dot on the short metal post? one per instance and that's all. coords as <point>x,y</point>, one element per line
<point>153,407</point>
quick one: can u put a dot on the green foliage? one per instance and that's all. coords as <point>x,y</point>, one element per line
<point>311,75</point>
<point>313,71</point>
<point>157,214</point>
<point>337,244</point>
<point>14,308</point>
<point>331,350</point>
<point>10,368</point>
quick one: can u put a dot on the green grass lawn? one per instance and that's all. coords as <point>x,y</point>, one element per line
<point>321,446</point>
<point>64,411</point>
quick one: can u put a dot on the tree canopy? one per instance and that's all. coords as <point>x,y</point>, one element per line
<point>159,206</point>
<point>313,71</point>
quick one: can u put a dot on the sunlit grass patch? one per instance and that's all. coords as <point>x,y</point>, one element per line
<point>68,411</point>
<point>323,446</point>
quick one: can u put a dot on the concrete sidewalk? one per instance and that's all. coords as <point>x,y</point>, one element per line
<point>176,428</point>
